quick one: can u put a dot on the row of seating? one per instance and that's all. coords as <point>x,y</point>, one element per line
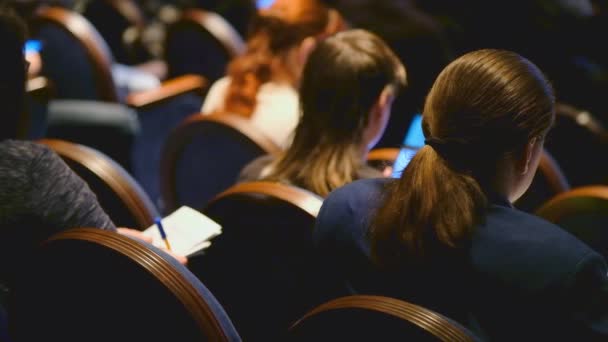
<point>161,300</point>
<point>266,240</point>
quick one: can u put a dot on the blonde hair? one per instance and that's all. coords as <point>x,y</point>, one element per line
<point>341,82</point>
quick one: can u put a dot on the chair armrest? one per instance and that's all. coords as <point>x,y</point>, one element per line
<point>167,91</point>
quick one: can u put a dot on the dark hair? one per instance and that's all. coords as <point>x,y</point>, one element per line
<point>341,82</point>
<point>481,108</point>
<point>273,33</point>
<point>12,72</point>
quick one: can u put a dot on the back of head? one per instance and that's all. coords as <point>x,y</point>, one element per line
<point>274,32</point>
<point>12,72</point>
<point>341,83</point>
<point>483,108</point>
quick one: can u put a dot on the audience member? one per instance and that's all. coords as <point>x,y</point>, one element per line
<point>39,194</point>
<point>446,236</point>
<point>262,83</point>
<point>348,86</point>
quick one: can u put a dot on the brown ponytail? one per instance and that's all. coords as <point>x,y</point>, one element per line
<point>274,33</point>
<point>483,106</point>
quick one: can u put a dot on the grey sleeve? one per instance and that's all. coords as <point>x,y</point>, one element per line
<point>61,198</point>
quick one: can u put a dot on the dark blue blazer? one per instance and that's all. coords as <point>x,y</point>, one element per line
<point>521,278</point>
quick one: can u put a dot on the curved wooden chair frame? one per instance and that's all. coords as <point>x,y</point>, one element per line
<point>303,199</point>
<point>218,27</point>
<point>388,154</point>
<point>584,119</point>
<point>181,136</point>
<point>565,204</point>
<point>99,55</point>
<point>160,268</point>
<point>101,59</point>
<point>428,320</point>
<point>116,178</point>
<point>169,90</point>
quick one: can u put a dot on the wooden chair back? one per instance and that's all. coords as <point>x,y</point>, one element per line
<point>210,41</point>
<point>204,155</point>
<point>381,158</point>
<point>113,18</point>
<point>72,43</point>
<point>88,284</point>
<point>118,193</point>
<point>583,212</point>
<point>266,243</point>
<point>368,318</point>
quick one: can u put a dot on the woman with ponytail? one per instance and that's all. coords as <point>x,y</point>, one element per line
<point>261,84</point>
<point>446,236</point>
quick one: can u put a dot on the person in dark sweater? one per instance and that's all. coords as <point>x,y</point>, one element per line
<point>446,236</point>
<point>39,194</point>
<point>348,86</point>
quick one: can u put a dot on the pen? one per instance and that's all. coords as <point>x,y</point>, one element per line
<point>163,235</point>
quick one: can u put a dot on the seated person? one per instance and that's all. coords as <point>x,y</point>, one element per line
<point>348,86</point>
<point>446,236</point>
<point>261,84</point>
<point>39,194</point>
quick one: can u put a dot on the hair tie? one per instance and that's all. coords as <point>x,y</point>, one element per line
<point>435,143</point>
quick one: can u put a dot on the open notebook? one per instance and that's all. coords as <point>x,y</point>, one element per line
<point>188,231</point>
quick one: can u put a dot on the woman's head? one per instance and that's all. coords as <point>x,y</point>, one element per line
<point>486,107</point>
<point>279,42</point>
<point>346,92</point>
<point>485,119</point>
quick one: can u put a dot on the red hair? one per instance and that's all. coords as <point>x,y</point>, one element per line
<point>274,32</point>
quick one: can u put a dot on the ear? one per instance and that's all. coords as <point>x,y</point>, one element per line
<point>528,155</point>
<point>382,107</point>
<point>305,48</point>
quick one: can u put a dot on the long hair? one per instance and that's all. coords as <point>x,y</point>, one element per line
<point>483,106</point>
<point>341,83</point>
<point>12,73</point>
<point>274,32</point>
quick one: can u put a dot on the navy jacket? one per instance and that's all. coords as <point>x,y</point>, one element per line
<point>521,278</point>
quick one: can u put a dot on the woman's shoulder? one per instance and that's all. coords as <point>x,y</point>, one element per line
<point>524,244</point>
<point>350,207</point>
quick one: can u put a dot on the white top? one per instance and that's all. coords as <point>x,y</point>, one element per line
<point>277,112</point>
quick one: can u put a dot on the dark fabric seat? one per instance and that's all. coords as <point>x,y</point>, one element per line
<point>102,286</point>
<point>201,43</point>
<point>263,259</point>
<point>156,124</point>
<point>204,156</point>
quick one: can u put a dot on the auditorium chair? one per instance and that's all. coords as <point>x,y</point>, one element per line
<point>583,212</point>
<point>88,284</point>
<point>263,258</point>
<point>202,43</point>
<point>118,193</point>
<point>204,156</point>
